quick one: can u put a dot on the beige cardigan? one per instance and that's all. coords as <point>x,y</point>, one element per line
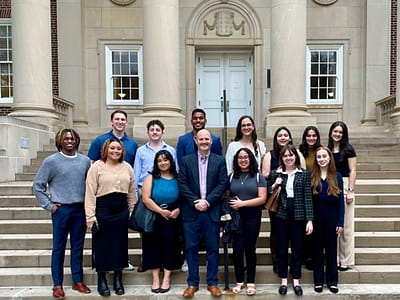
<point>101,181</point>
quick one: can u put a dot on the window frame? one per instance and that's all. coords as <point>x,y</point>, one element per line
<point>8,100</point>
<point>109,49</point>
<point>338,48</point>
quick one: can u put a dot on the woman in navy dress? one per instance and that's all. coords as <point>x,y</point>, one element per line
<point>327,189</point>
<point>161,248</point>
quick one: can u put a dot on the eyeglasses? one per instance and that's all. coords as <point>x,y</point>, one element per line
<point>243,158</point>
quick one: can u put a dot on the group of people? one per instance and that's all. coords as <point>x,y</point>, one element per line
<point>184,187</point>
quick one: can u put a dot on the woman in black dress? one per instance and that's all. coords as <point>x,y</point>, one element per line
<point>161,248</point>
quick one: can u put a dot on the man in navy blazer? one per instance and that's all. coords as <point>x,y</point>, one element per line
<point>202,181</point>
<point>186,143</point>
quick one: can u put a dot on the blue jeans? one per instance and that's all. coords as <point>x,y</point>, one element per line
<point>194,232</point>
<point>68,219</point>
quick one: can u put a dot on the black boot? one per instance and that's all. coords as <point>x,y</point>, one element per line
<point>118,287</point>
<point>102,286</point>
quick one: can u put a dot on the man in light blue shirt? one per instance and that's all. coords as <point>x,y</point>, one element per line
<point>145,154</point>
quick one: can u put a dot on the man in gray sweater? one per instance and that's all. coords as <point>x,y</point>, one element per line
<point>59,187</point>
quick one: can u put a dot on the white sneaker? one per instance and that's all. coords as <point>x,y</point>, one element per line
<point>130,267</point>
<point>184,267</point>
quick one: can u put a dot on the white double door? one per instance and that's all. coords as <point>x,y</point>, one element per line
<point>224,76</point>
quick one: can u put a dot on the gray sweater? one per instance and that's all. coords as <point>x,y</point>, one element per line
<point>65,177</point>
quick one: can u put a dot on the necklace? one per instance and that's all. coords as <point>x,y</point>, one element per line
<point>243,180</point>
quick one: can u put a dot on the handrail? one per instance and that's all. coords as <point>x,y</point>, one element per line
<point>64,111</point>
<point>384,109</point>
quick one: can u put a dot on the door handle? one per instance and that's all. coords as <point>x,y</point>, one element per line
<point>222,106</point>
<point>227,105</point>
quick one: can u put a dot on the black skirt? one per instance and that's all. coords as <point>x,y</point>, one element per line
<point>110,242</point>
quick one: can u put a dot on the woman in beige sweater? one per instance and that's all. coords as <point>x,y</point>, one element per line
<point>109,200</point>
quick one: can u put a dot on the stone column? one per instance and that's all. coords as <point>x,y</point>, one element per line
<point>70,59</point>
<point>378,57</point>
<point>161,68</point>
<point>395,117</point>
<point>32,61</point>
<point>288,67</point>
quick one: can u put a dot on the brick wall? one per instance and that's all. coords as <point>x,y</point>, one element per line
<point>54,46</point>
<point>393,48</point>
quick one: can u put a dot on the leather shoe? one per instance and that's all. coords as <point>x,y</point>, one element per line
<point>81,287</point>
<point>318,288</point>
<point>334,289</point>
<point>283,290</point>
<point>58,292</point>
<point>298,290</point>
<point>214,291</point>
<point>189,291</point>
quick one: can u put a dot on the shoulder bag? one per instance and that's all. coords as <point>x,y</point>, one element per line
<point>142,218</point>
<point>274,199</point>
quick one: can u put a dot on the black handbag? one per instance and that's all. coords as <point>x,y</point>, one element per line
<point>142,218</point>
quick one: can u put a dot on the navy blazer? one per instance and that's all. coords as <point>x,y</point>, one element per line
<point>186,146</point>
<point>189,185</point>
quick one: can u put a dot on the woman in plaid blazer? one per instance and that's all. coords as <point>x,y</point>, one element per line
<point>294,215</point>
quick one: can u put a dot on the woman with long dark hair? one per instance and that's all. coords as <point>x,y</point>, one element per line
<point>249,190</point>
<point>161,248</point>
<point>310,142</point>
<point>246,136</point>
<point>346,162</point>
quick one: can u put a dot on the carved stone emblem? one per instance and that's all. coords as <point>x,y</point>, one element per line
<point>224,24</point>
<point>325,2</point>
<point>123,2</point>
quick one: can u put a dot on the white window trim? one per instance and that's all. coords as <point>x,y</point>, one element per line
<point>339,98</point>
<point>108,75</point>
<point>6,100</point>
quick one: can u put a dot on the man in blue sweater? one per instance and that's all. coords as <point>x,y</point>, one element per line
<point>59,187</point>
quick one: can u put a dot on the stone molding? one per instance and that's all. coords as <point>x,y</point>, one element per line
<point>123,2</point>
<point>325,2</point>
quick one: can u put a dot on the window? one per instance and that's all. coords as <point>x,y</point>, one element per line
<point>6,75</point>
<point>324,74</point>
<point>124,74</point>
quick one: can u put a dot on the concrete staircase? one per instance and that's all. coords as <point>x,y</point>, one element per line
<point>25,242</point>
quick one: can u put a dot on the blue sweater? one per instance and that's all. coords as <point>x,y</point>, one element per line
<point>65,177</point>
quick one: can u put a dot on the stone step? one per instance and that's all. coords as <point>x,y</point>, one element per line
<point>377,239</point>
<point>377,224</point>
<point>377,186</point>
<point>42,257</point>
<point>373,198</point>
<point>264,291</point>
<point>16,188</point>
<point>37,213</point>
<point>373,174</point>
<point>43,241</point>
<point>365,274</point>
<point>384,167</point>
<point>377,210</point>
<point>18,201</point>
<point>43,226</point>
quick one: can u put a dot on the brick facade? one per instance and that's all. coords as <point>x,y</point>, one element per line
<point>393,48</point>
